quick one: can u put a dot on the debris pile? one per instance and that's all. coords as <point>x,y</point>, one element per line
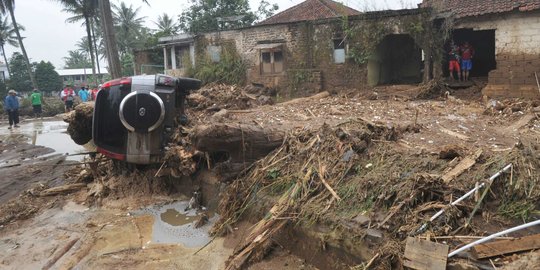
<point>304,175</point>
<point>80,123</point>
<point>214,97</point>
<point>335,175</point>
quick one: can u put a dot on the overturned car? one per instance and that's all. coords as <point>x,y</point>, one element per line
<point>135,116</point>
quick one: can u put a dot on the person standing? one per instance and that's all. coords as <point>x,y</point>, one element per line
<point>68,95</point>
<point>36,99</point>
<point>83,94</point>
<point>467,53</point>
<point>453,61</point>
<point>12,107</point>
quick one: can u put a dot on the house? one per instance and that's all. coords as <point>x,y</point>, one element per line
<point>506,38</point>
<point>79,76</point>
<point>322,44</point>
<point>177,50</point>
<point>310,47</point>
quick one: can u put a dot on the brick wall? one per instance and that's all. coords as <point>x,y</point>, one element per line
<point>517,46</point>
<point>308,50</point>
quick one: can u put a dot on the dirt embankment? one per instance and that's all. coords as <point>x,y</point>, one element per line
<point>355,174</point>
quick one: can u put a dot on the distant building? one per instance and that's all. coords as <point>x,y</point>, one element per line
<point>4,74</point>
<point>79,76</point>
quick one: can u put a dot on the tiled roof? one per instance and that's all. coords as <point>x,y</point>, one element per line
<point>311,10</point>
<point>470,8</point>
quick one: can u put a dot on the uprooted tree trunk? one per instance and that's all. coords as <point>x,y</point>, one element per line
<point>235,146</point>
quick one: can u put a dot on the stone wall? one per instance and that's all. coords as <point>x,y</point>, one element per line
<point>308,50</point>
<point>517,46</point>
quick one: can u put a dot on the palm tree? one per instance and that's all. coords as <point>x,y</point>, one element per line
<point>9,6</point>
<point>166,25</point>
<point>109,37</point>
<point>76,59</point>
<point>82,10</point>
<point>128,26</point>
<point>7,36</point>
<point>110,40</point>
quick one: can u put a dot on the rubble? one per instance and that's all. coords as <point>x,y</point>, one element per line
<point>356,171</point>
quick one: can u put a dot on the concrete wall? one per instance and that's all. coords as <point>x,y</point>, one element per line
<point>517,46</point>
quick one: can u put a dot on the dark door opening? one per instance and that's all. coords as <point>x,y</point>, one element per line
<point>483,43</point>
<point>397,60</point>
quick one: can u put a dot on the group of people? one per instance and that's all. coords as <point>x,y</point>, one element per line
<point>84,93</point>
<point>460,60</point>
<point>68,95</point>
<point>11,105</point>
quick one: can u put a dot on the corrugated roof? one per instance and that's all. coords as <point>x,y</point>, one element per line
<point>311,10</point>
<point>79,71</point>
<point>471,8</point>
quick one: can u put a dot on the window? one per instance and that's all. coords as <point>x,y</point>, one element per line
<point>339,51</point>
<point>180,52</point>
<point>271,61</point>
<point>215,53</point>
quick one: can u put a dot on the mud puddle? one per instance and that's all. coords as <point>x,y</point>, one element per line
<point>51,134</point>
<point>175,224</point>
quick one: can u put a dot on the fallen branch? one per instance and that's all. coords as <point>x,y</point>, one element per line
<point>61,189</point>
<point>59,254</point>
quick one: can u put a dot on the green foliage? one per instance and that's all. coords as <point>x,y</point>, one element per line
<point>364,38</point>
<point>211,15</point>
<point>20,78</point>
<point>47,78</point>
<point>231,69</point>
<point>130,32</point>
<point>298,76</point>
<point>77,59</point>
<point>166,26</point>
<point>517,209</point>
<point>126,60</point>
<point>273,174</point>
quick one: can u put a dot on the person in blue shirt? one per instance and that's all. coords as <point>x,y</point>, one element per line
<point>11,105</point>
<point>83,94</point>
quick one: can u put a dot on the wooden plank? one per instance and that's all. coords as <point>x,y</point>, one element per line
<point>455,134</point>
<point>525,120</point>
<point>502,247</point>
<point>422,254</point>
<point>462,166</point>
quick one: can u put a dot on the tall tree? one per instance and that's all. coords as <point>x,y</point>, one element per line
<point>47,78</point>
<point>82,10</point>
<point>166,26</point>
<point>8,6</point>
<point>7,36</point>
<point>211,15</point>
<point>77,59</point>
<point>129,27</point>
<point>111,47</point>
<point>20,79</point>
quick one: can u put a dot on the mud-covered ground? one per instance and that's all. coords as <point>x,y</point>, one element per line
<point>130,222</point>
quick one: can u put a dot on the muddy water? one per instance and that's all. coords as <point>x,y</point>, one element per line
<point>49,133</point>
<point>174,224</point>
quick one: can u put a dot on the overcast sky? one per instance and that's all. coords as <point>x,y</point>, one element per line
<point>48,37</point>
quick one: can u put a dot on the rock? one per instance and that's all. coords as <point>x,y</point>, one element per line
<point>374,235</point>
<point>361,220</point>
<point>220,115</point>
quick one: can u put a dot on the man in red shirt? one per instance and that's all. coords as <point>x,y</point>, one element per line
<point>68,95</point>
<point>467,53</point>
<point>453,61</point>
